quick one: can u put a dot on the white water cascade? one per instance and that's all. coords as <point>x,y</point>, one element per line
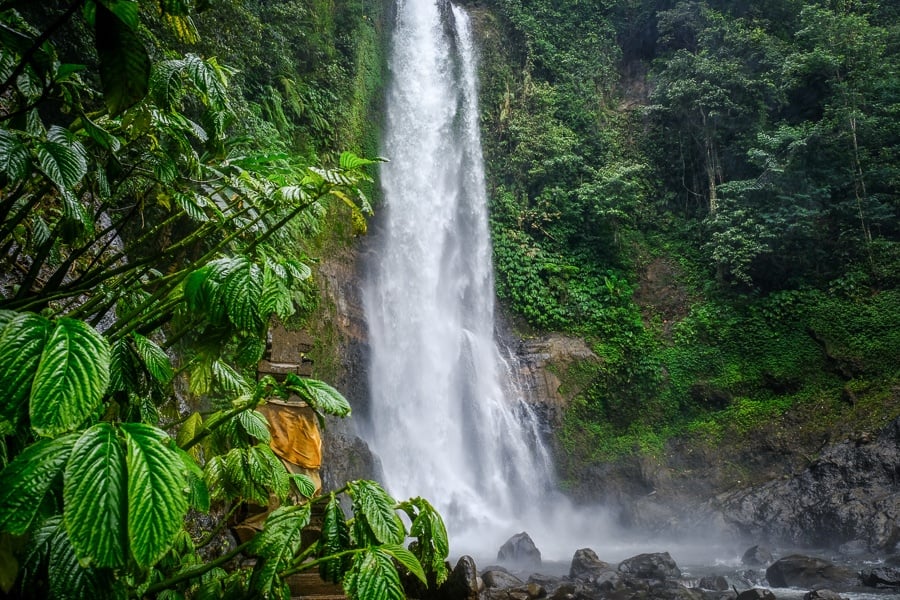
<point>446,418</point>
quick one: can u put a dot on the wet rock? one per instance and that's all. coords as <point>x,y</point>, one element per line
<point>881,577</point>
<point>658,565</point>
<point>757,556</point>
<point>586,565</point>
<point>849,493</point>
<point>807,571</point>
<point>718,583</point>
<point>756,594</point>
<point>822,595</point>
<point>520,550</point>
<point>500,578</point>
<point>463,582</point>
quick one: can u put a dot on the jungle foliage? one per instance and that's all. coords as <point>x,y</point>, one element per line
<point>749,153</point>
<point>153,219</point>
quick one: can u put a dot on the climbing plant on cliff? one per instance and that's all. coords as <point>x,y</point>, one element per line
<point>146,245</point>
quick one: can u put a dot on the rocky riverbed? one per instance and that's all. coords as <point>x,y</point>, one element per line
<point>761,574</point>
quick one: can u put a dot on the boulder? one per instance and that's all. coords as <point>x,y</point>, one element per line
<point>757,556</point>
<point>463,582</point>
<point>587,566</point>
<point>756,594</point>
<point>500,578</point>
<point>881,577</point>
<point>807,571</point>
<point>657,565</point>
<point>717,583</point>
<point>521,551</point>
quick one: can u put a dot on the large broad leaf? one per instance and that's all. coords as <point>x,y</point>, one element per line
<point>375,514</point>
<point>198,492</point>
<point>319,395</point>
<point>94,497</point>
<point>156,499</point>
<point>21,345</point>
<point>62,158</point>
<point>124,63</point>
<point>373,577</point>
<point>335,538</point>
<point>25,481</point>
<point>243,292</point>
<point>432,545</point>
<point>276,297</point>
<point>155,359</point>
<point>71,377</point>
<point>254,425</point>
<point>67,577</point>
<point>14,157</point>
<point>276,545</point>
<point>407,559</point>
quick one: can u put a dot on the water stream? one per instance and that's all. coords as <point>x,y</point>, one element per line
<point>447,420</point>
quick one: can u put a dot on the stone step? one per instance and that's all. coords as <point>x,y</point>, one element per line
<point>309,586</point>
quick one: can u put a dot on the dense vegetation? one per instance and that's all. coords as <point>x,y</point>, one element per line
<point>707,192</point>
<point>157,210</point>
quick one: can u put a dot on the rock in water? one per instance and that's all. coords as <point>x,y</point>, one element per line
<point>756,594</point>
<point>757,556</point>
<point>658,565</point>
<point>587,566</point>
<point>881,576</point>
<point>463,582</point>
<point>521,551</point>
<point>822,595</point>
<point>806,571</point>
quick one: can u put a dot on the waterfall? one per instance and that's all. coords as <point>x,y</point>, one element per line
<point>447,419</point>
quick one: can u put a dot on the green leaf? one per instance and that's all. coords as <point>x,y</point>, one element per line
<point>155,359</point>
<point>123,370</point>
<point>428,527</point>
<point>228,378</point>
<point>189,429</point>
<point>94,497</point>
<point>65,574</point>
<point>334,538</point>
<point>127,11</point>
<point>276,545</point>
<point>255,425</point>
<point>319,395</point>
<point>407,559</point>
<point>198,492</point>
<point>350,161</point>
<point>373,577</point>
<point>62,158</point>
<point>305,485</point>
<point>156,500</point>
<point>25,481</point>
<point>124,63</point>
<point>375,514</point>
<point>243,292</point>
<point>14,157</point>
<point>276,297</point>
<point>22,342</point>
<point>71,378</point>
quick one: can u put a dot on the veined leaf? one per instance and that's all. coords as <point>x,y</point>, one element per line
<point>372,506</point>
<point>255,425</point>
<point>276,545</point>
<point>14,156</point>
<point>305,485</point>
<point>67,577</point>
<point>350,161</point>
<point>335,538</point>
<point>433,545</point>
<point>94,497</point>
<point>183,27</point>
<point>373,577</point>
<point>228,378</point>
<point>319,395</point>
<point>156,501</point>
<point>124,63</point>
<point>25,481</point>
<point>198,492</point>
<point>189,429</point>
<point>243,292</point>
<point>407,559</point>
<point>62,158</point>
<point>155,359</point>
<point>123,370</point>
<point>21,345</point>
<point>71,377</point>
<point>127,11</point>
<point>276,297</point>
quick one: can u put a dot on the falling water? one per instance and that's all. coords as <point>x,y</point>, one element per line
<point>446,418</point>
